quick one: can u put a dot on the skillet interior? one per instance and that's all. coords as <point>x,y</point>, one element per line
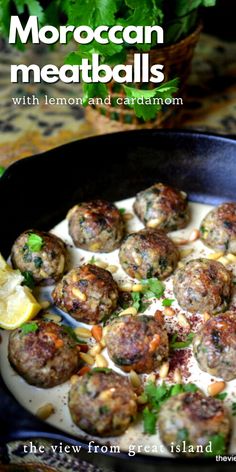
<point>38,192</point>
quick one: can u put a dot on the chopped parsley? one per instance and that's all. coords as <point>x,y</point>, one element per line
<point>181,344</point>
<point>28,279</point>
<point>221,396</point>
<point>122,211</point>
<point>234,408</point>
<point>156,396</point>
<point>2,170</point>
<point>27,328</point>
<point>218,445</point>
<point>92,260</point>
<point>168,301</point>
<point>35,242</point>
<point>139,303</point>
<point>103,370</point>
<point>153,288</point>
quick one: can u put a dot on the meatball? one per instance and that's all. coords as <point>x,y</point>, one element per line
<point>214,346</point>
<point>41,254</point>
<point>43,353</point>
<point>148,253</point>
<point>88,293</point>
<point>161,206</point>
<point>203,285</point>
<point>218,228</point>
<point>192,419</point>
<point>96,226</point>
<point>102,403</point>
<point>137,343</point>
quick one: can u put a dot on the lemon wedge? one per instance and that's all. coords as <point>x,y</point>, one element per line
<point>17,303</point>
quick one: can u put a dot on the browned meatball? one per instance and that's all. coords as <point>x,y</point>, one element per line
<point>96,226</point>
<point>214,346</point>
<point>41,254</point>
<point>203,285</point>
<point>137,343</point>
<point>43,353</point>
<point>218,228</point>
<point>102,403</point>
<point>192,419</point>
<point>148,253</point>
<point>88,293</point>
<point>161,206</point>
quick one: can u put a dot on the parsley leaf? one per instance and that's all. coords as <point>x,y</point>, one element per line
<point>29,328</point>
<point>234,408</point>
<point>167,301</point>
<point>2,170</point>
<point>35,242</point>
<point>153,288</point>
<point>149,421</point>
<point>221,396</point>
<point>181,344</point>
<point>218,445</point>
<point>122,211</point>
<point>28,279</point>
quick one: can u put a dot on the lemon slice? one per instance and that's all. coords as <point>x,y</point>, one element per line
<point>17,303</point>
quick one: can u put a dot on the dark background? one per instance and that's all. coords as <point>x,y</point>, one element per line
<point>221,20</point>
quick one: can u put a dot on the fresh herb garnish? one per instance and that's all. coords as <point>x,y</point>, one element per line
<point>28,279</point>
<point>153,288</point>
<point>156,396</point>
<point>221,396</point>
<point>2,170</point>
<point>139,303</point>
<point>104,370</point>
<point>29,328</point>
<point>92,260</point>
<point>181,344</point>
<point>104,409</point>
<point>218,445</point>
<point>234,408</point>
<point>122,211</point>
<point>168,301</point>
<point>35,242</point>
<point>70,331</point>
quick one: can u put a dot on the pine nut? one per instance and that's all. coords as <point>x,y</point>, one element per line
<point>142,399</point>
<point>52,317</point>
<point>177,376</point>
<point>129,311</point>
<point>87,358</point>
<point>215,255</point>
<point>206,316</point>
<point>103,343</point>
<point>137,288</point>
<point>82,332</point>
<point>215,388</point>
<point>74,379</point>
<point>223,260</point>
<point>185,252</point>
<point>231,257</point>
<point>96,349</point>
<point>194,235</point>
<point>126,288</point>
<point>97,332</point>
<point>182,320</point>
<point>78,294</point>
<point>164,369</point>
<point>134,379</point>
<point>45,411</point>
<point>112,268</point>
<point>101,361</point>
<point>45,304</point>
<point>180,242</point>
<point>151,378</point>
<point>168,311</point>
<point>101,264</point>
<point>105,395</point>
<point>95,247</point>
<point>154,222</point>
<point>128,216</point>
<point>154,343</point>
<point>180,265</point>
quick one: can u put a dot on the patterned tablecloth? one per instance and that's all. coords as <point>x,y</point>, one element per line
<point>27,130</point>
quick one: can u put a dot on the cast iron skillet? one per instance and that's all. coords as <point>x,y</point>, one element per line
<point>38,191</point>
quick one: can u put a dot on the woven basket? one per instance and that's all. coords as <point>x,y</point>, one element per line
<point>177,59</point>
